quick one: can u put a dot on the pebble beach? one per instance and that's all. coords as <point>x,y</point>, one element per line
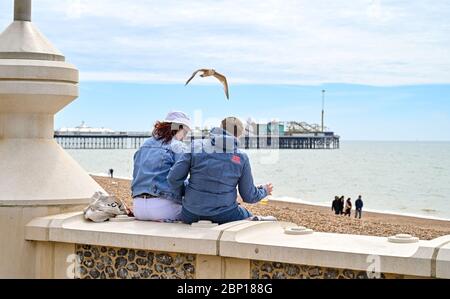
<point>320,218</point>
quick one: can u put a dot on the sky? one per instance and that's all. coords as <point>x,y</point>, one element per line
<point>385,65</point>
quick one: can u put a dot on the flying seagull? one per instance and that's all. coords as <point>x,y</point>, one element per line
<point>211,72</point>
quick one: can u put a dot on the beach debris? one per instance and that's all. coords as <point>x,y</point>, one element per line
<point>264,201</point>
<point>209,73</point>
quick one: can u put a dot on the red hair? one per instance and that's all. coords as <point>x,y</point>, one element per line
<point>165,131</point>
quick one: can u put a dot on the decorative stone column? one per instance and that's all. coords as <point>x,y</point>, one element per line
<point>37,177</point>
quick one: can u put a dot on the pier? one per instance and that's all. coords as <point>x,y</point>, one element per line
<point>104,141</point>
<point>135,140</point>
<point>291,142</point>
<point>274,135</point>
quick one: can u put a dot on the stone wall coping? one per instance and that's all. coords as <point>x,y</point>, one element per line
<point>172,237</point>
<point>443,261</point>
<point>265,241</point>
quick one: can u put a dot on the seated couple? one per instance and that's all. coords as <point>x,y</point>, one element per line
<point>161,188</point>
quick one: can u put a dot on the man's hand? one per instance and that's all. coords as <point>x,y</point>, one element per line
<point>269,188</point>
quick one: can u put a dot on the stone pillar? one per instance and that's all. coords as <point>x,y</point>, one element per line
<point>22,10</point>
<point>37,177</point>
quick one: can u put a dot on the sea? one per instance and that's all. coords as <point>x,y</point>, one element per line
<point>408,178</point>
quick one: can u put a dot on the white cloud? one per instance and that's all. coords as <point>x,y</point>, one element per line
<point>362,41</point>
<point>143,77</point>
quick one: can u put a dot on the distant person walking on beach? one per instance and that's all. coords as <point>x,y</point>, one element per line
<point>111,173</point>
<point>335,205</point>
<point>153,198</point>
<point>348,207</point>
<point>341,205</point>
<point>358,205</point>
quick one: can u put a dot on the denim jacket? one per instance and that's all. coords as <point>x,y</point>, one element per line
<point>152,163</point>
<point>216,167</point>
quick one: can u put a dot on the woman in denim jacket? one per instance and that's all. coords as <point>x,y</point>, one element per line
<point>153,199</point>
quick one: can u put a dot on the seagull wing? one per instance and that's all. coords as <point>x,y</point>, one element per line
<point>193,75</point>
<point>223,80</point>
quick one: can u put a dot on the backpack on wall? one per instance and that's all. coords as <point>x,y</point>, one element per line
<point>103,207</point>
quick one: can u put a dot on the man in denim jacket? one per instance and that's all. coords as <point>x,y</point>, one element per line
<point>216,167</point>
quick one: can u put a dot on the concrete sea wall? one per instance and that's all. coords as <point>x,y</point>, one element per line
<point>68,246</point>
